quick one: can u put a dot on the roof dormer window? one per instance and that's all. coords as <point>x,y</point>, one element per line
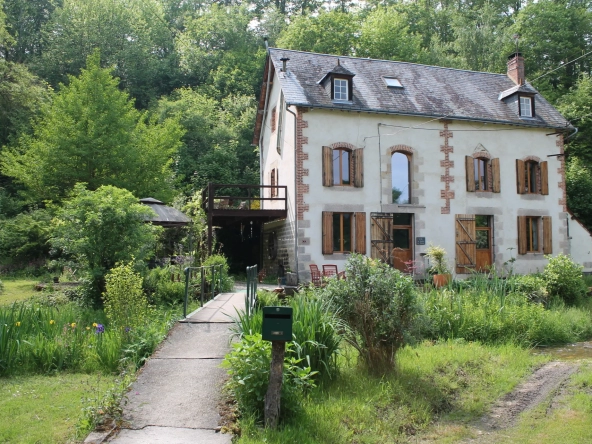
<point>340,90</point>
<point>526,106</point>
<point>392,82</point>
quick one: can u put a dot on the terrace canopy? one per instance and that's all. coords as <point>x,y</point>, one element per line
<point>167,217</point>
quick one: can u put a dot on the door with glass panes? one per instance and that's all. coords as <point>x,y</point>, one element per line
<point>483,238</point>
<point>402,253</point>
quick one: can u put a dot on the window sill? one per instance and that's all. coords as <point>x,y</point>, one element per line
<point>342,102</point>
<point>344,188</point>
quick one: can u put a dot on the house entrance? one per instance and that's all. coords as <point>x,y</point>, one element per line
<point>473,243</point>
<point>391,241</point>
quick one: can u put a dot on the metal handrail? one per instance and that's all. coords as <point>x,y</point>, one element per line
<point>251,297</point>
<point>209,194</point>
<point>216,279</point>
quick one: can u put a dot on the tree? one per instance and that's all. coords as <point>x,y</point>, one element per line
<point>331,32</point>
<point>576,106</point>
<point>91,133</point>
<point>578,180</point>
<point>101,228</point>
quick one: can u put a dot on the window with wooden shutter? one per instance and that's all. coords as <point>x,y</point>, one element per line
<point>327,232</point>
<point>327,166</point>
<point>520,177</point>
<point>470,166</point>
<point>495,172</point>
<point>358,162</point>
<point>360,233</point>
<point>547,235</point>
<point>544,177</point>
<point>466,243</point>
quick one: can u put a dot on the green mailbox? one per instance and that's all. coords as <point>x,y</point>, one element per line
<point>277,323</point>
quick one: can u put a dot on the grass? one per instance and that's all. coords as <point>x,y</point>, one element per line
<point>449,381</point>
<point>567,419</point>
<point>45,409</point>
<point>17,290</point>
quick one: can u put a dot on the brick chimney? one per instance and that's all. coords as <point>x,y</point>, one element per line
<point>516,68</point>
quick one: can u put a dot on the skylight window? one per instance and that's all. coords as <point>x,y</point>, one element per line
<point>391,82</point>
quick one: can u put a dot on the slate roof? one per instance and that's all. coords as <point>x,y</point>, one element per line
<point>165,216</point>
<point>429,91</point>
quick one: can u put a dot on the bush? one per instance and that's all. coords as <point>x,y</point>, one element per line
<point>226,281</point>
<point>125,304</point>
<point>248,366</point>
<point>1,287</point>
<point>563,278</point>
<point>533,287</point>
<point>161,289</point>
<point>378,303</point>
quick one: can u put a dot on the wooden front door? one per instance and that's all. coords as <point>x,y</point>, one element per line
<point>483,238</point>
<point>402,253</point>
<point>466,251</point>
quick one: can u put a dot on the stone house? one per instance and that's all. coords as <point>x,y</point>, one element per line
<point>384,158</point>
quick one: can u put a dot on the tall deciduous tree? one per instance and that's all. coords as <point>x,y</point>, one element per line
<point>92,133</point>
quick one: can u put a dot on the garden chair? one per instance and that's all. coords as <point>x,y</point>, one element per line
<point>330,270</point>
<point>315,275</point>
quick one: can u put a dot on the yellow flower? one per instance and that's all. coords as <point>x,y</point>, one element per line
<point>73,325</point>
<point>18,323</point>
<point>51,322</point>
<point>95,324</point>
<point>88,328</point>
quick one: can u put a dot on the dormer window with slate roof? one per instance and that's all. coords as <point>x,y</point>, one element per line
<point>526,106</point>
<point>338,82</point>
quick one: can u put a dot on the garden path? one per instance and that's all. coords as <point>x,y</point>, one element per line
<point>176,397</point>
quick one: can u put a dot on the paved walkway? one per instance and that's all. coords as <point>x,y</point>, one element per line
<point>175,398</point>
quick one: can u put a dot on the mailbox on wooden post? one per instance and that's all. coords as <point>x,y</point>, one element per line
<point>277,328</point>
<point>277,323</point>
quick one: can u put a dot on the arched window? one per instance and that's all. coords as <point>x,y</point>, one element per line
<point>341,166</point>
<point>531,171</point>
<point>401,178</point>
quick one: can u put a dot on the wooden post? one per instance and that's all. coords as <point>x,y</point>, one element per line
<point>274,389</point>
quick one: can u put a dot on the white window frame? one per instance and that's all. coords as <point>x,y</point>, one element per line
<point>340,90</point>
<point>525,106</point>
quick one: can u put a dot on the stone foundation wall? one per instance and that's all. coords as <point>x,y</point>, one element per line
<point>284,260</point>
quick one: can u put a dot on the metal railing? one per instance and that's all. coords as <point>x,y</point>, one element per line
<point>211,274</point>
<point>251,297</point>
<point>244,197</point>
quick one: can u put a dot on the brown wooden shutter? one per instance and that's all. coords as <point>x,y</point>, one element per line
<point>466,243</point>
<point>495,172</point>
<point>358,160</point>
<point>327,232</point>
<point>547,235</point>
<point>470,166</point>
<point>327,166</point>
<point>522,235</point>
<point>520,177</point>
<point>360,239</point>
<point>544,177</point>
<point>381,232</point>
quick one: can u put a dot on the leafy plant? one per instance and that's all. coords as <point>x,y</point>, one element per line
<point>161,288</point>
<point>438,262</point>
<point>126,305</point>
<point>226,281</point>
<point>533,286</point>
<point>249,365</point>
<point>378,303</point>
<point>563,278</point>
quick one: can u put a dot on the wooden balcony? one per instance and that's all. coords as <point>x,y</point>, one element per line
<point>226,204</point>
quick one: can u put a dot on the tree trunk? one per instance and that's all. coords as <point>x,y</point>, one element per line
<point>274,390</point>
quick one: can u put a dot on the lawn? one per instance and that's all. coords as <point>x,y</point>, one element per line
<point>46,409</point>
<point>17,290</point>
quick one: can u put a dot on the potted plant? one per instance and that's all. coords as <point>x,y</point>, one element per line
<point>438,265</point>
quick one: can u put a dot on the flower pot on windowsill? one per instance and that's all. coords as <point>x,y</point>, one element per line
<point>441,280</point>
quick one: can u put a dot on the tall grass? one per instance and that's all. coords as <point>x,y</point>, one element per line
<point>40,339</point>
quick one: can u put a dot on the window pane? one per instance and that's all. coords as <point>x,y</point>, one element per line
<point>345,167</point>
<point>482,221</point>
<point>401,238</point>
<point>400,178</point>
<point>402,219</point>
<point>340,89</point>
<point>531,170</point>
<point>336,167</point>
<point>347,219</point>
<point>476,168</point>
<point>535,234</point>
<point>525,107</point>
<point>336,232</point>
<point>483,239</point>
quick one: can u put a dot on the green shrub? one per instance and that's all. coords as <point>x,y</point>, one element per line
<point>378,303</point>
<point>248,366</point>
<point>1,287</point>
<point>161,289</point>
<point>125,304</point>
<point>563,278</point>
<point>226,281</point>
<point>533,286</point>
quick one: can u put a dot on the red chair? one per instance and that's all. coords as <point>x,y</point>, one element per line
<point>330,270</point>
<point>315,275</point>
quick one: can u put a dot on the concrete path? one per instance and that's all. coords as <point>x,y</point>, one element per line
<point>175,398</point>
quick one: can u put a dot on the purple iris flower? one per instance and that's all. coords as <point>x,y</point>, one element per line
<point>100,329</point>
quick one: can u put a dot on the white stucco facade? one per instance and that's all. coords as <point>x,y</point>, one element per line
<point>437,179</point>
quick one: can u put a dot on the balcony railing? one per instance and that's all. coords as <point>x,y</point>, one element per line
<point>233,197</point>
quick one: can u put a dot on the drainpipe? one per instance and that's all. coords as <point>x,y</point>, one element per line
<point>264,117</point>
<point>295,195</point>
